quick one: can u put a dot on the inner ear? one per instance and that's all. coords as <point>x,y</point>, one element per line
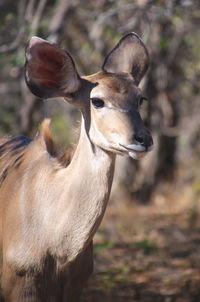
<point>50,71</point>
<point>130,55</point>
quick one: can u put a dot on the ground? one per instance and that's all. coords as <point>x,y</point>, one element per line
<point>148,253</point>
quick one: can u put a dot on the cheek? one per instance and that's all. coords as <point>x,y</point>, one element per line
<point>100,124</point>
<point>113,126</point>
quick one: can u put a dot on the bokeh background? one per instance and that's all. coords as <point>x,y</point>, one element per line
<point>148,246</point>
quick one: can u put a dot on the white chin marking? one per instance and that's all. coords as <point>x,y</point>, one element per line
<point>134,147</point>
<point>136,155</point>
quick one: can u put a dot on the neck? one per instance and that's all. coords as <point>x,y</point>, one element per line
<point>88,184</point>
<point>61,208</point>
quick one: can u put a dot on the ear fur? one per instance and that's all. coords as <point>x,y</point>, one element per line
<point>49,70</point>
<point>130,55</point>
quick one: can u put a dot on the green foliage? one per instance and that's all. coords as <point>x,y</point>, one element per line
<point>19,60</point>
<point>104,246</point>
<point>9,17</point>
<point>198,154</point>
<point>193,216</point>
<point>176,20</point>
<point>197,187</point>
<point>6,118</point>
<point>42,30</point>
<point>109,32</point>
<point>146,246</point>
<point>87,47</point>
<point>30,30</point>
<point>164,43</point>
<point>61,131</point>
<point>114,276</point>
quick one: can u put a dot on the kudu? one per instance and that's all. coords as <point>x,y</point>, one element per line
<point>50,212</point>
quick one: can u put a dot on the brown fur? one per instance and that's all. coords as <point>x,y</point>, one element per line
<point>48,283</point>
<point>50,209</point>
<point>12,150</point>
<point>11,154</point>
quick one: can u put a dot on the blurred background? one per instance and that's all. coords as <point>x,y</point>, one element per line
<point>148,247</point>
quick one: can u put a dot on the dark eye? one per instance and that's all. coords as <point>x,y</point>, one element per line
<point>97,103</point>
<point>140,102</point>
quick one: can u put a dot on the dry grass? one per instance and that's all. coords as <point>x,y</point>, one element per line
<point>148,253</point>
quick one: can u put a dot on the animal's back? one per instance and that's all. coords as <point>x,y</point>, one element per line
<point>14,151</point>
<point>15,156</point>
<point>11,151</point>
<point>51,285</point>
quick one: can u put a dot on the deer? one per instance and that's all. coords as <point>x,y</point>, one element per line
<point>50,211</point>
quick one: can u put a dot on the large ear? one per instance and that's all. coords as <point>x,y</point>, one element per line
<point>49,70</point>
<point>129,55</point>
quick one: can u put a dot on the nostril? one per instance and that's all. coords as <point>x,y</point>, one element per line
<point>139,138</point>
<point>144,139</point>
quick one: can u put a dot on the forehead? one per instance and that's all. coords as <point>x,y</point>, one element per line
<point>119,90</point>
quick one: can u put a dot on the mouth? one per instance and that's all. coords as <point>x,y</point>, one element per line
<point>136,151</point>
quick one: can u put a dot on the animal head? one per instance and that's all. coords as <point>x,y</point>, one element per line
<point>109,99</point>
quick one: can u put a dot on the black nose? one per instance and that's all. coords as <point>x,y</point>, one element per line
<point>145,139</point>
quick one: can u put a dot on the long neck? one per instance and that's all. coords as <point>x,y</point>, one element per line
<point>60,209</point>
<point>88,184</point>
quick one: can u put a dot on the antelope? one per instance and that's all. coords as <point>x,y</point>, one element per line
<point>50,211</point>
